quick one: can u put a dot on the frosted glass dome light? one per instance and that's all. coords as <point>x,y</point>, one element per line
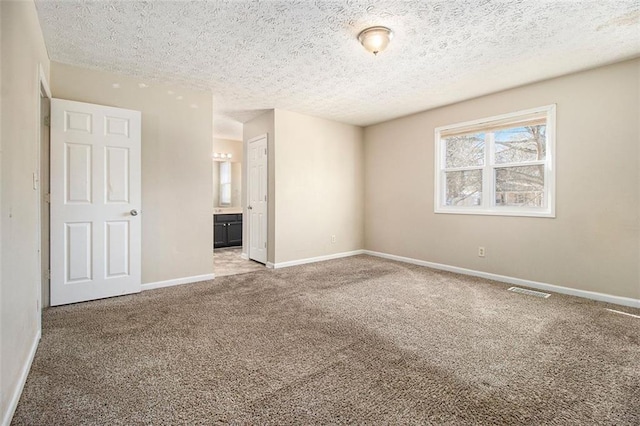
<point>375,39</point>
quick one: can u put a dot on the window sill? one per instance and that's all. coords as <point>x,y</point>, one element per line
<point>499,212</point>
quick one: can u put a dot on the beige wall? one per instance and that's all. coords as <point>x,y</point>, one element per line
<point>319,178</point>
<point>177,226</point>
<point>316,183</point>
<point>592,244</point>
<point>261,125</point>
<point>229,146</point>
<point>22,50</point>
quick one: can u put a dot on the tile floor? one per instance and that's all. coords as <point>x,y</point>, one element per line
<point>227,261</point>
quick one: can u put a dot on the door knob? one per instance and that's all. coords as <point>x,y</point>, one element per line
<point>134,212</point>
<point>250,208</point>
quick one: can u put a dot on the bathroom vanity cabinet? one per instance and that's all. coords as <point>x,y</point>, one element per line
<point>227,230</point>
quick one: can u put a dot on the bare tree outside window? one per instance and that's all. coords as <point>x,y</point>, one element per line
<point>464,187</point>
<point>465,151</point>
<point>520,185</point>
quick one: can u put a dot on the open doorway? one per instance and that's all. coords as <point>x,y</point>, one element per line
<point>228,215</point>
<point>42,174</point>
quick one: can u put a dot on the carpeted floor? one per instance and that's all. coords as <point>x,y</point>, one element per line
<point>354,340</point>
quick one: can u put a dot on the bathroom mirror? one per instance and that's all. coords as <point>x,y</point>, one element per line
<point>227,184</point>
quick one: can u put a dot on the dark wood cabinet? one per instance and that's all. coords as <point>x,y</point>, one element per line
<point>219,235</point>
<point>227,230</point>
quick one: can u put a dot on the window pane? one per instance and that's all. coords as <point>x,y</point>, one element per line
<point>225,183</point>
<point>518,144</point>
<point>225,194</point>
<point>520,186</point>
<point>464,151</point>
<point>464,188</point>
<point>225,172</point>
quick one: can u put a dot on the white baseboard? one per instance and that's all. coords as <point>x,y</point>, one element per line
<point>244,256</point>
<point>177,281</point>
<point>313,259</point>
<point>15,397</point>
<point>602,297</point>
<point>270,265</point>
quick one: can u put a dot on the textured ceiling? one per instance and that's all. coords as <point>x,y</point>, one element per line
<point>304,56</point>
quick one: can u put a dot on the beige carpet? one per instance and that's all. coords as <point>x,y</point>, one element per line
<point>356,340</point>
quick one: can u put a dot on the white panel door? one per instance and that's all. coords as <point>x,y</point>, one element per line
<point>258,199</point>
<point>95,201</point>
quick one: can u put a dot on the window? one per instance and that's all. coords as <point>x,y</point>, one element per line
<point>500,165</point>
<point>225,183</point>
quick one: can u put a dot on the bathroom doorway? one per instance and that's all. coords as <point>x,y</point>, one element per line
<point>228,212</point>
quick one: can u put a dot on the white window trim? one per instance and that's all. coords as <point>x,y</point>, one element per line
<point>488,193</point>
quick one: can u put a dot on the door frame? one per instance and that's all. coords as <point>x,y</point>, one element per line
<point>247,197</point>
<point>43,92</point>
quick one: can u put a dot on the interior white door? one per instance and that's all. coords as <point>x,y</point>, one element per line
<point>257,164</point>
<point>95,201</point>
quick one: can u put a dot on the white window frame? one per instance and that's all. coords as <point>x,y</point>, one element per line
<point>488,206</point>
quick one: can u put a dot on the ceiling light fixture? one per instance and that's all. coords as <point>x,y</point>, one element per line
<point>222,155</point>
<point>375,39</point>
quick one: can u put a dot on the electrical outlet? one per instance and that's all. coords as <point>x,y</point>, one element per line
<point>481,251</point>
<point>333,239</point>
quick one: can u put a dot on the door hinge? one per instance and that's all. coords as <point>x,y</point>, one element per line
<point>47,198</point>
<point>47,120</point>
<point>265,151</point>
<point>265,198</point>
<point>48,274</point>
<point>265,245</point>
